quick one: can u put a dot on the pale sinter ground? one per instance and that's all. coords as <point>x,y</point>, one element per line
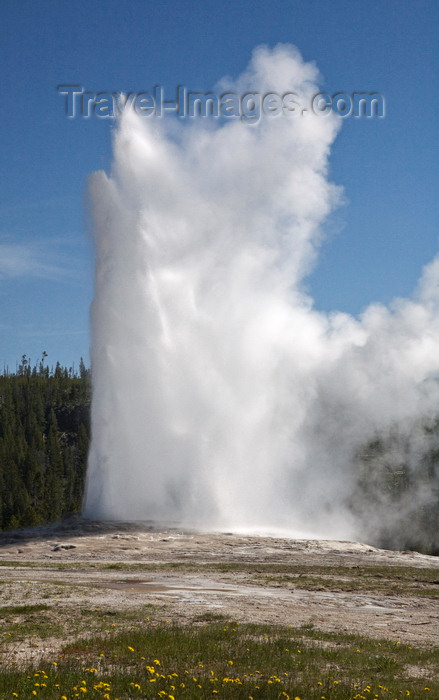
<point>82,566</point>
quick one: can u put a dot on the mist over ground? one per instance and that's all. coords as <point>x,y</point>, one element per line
<point>221,397</point>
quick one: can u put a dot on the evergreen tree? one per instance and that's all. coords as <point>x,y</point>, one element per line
<point>42,461</point>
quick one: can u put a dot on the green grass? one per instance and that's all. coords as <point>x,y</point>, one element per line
<point>8,610</point>
<point>36,622</point>
<point>39,622</point>
<point>227,660</point>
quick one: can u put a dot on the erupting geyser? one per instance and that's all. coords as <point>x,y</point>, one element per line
<point>220,397</point>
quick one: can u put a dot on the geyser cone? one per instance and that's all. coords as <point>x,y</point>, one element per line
<point>220,398</point>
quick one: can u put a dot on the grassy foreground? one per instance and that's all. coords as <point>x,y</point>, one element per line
<point>215,657</point>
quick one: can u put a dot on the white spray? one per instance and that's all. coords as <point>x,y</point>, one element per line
<point>220,397</point>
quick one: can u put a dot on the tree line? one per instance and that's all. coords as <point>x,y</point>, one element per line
<point>396,496</point>
<point>44,438</point>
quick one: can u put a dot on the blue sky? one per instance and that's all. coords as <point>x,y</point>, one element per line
<point>377,242</point>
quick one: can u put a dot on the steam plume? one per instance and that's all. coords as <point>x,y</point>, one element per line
<point>220,397</point>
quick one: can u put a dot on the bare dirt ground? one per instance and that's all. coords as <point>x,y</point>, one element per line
<point>82,566</point>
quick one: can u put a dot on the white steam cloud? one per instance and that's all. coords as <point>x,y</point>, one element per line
<point>220,397</point>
